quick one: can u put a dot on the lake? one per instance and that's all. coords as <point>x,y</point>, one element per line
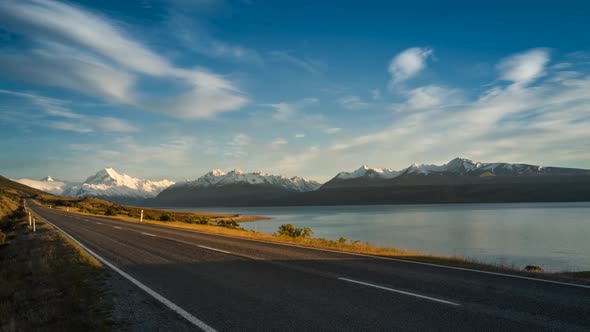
<point>555,236</point>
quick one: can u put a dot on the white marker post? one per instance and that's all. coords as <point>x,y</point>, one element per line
<point>34,228</point>
<point>30,221</point>
<point>141,216</point>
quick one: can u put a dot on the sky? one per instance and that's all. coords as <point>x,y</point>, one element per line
<point>173,89</point>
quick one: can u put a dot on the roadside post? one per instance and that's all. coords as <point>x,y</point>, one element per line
<point>30,221</point>
<point>141,216</point>
<point>34,228</point>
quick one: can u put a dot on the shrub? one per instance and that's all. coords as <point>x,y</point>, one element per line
<point>197,220</point>
<point>148,216</point>
<point>111,211</point>
<point>167,217</point>
<point>295,232</point>
<point>533,268</point>
<point>342,241</point>
<point>229,224</point>
<point>2,238</point>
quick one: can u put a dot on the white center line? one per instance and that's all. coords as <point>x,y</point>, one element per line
<point>399,291</point>
<point>209,248</point>
<point>117,227</point>
<point>148,234</point>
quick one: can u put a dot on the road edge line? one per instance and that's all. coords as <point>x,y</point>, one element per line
<point>171,305</point>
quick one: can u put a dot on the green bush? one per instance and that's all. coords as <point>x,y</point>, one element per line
<point>111,211</point>
<point>295,232</point>
<point>149,217</point>
<point>229,224</point>
<point>533,268</point>
<point>167,217</point>
<point>197,220</point>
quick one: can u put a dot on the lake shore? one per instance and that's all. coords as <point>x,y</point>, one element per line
<point>341,245</point>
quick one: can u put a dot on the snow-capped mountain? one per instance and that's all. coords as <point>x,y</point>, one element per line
<point>234,188</point>
<point>109,184</point>
<point>218,178</point>
<point>47,184</point>
<point>366,171</point>
<point>457,166</point>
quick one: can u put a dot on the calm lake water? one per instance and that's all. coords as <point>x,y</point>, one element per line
<point>553,235</point>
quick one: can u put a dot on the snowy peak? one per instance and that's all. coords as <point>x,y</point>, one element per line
<point>366,171</point>
<point>457,166</point>
<point>47,179</point>
<point>109,183</point>
<point>219,178</point>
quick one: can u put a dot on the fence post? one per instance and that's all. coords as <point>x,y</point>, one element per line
<point>141,216</point>
<point>34,228</point>
<point>30,221</point>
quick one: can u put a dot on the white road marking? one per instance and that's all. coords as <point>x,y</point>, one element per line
<point>148,234</point>
<point>185,314</point>
<point>400,291</point>
<point>500,274</point>
<point>99,223</point>
<point>209,248</point>
<point>117,227</point>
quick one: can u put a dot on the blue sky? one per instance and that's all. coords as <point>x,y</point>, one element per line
<point>172,89</point>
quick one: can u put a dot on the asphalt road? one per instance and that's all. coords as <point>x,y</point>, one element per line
<point>242,285</point>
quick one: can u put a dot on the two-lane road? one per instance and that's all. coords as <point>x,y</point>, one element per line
<point>239,284</point>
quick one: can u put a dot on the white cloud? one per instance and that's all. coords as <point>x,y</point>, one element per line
<point>353,103</point>
<point>296,161</point>
<point>332,130</point>
<point>544,123</point>
<point>69,120</point>
<point>286,110</point>
<point>525,67</point>
<point>376,94</point>
<point>428,97</point>
<point>408,63</point>
<point>299,135</point>
<point>85,52</point>
<point>240,140</point>
<point>278,142</point>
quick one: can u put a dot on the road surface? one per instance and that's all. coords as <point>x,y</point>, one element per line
<point>228,284</point>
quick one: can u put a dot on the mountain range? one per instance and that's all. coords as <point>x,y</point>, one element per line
<point>458,181</point>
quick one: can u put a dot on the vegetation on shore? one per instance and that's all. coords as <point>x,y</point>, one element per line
<point>288,234</point>
<point>101,207</point>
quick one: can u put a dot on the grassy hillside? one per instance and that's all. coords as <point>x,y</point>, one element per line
<point>46,282</point>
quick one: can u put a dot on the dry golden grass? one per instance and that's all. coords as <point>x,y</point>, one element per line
<point>361,248</point>
<point>94,206</point>
<point>49,284</point>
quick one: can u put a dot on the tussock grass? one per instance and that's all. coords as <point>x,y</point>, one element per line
<point>95,206</point>
<point>47,283</point>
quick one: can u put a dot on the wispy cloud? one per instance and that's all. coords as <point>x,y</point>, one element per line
<point>332,130</point>
<point>353,103</point>
<point>196,37</point>
<point>57,115</point>
<point>286,110</point>
<point>525,67</point>
<point>523,121</point>
<point>306,64</point>
<point>408,63</point>
<point>82,51</point>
